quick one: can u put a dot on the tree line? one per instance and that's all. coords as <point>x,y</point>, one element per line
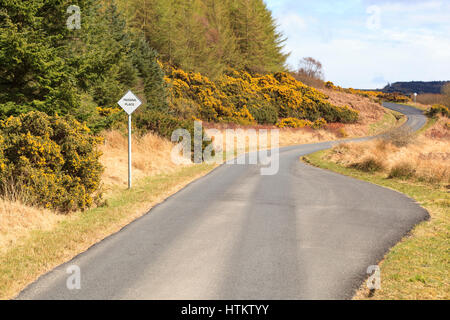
<point>209,36</point>
<point>44,66</point>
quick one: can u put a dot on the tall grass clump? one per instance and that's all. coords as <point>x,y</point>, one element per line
<point>369,164</point>
<point>402,154</point>
<point>400,137</point>
<point>402,170</point>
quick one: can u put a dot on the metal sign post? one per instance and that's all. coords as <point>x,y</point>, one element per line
<point>129,103</point>
<point>129,151</point>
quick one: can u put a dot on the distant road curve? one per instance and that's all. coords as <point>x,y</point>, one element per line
<point>304,233</point>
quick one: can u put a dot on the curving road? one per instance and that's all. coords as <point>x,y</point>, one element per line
<point>304,233</point>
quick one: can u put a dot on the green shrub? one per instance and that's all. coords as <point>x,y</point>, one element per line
<point>264,113</point>
<point>97,118</point>
<point>338,114</point>
<point>53,160</point>
<point>403,170</point>
<point>369,164</point>
<point>438,109</point>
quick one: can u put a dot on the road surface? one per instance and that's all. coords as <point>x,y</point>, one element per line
<point>304,233</point>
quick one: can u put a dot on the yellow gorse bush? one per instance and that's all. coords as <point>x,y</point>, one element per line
<point>106,112</point>
<point>438,109</point>
<point>297,123</point>
<point>53,160</point>
<point>245,99</point>
<point>293,123</point>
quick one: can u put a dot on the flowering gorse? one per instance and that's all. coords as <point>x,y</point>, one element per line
<point>238,97</point>
<point>53,160</point>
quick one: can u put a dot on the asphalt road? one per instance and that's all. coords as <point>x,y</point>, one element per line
<point>303,233</point>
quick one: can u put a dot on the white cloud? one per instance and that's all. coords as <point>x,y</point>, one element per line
<point>293,21</point>
<point>412,43</point>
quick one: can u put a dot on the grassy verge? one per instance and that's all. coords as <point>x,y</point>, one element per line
<point>418,266</point>
<point>44,250</point>
<point>390,120</point>
<point>431,122</point>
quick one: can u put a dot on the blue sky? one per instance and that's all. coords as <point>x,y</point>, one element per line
<point>367,43</point>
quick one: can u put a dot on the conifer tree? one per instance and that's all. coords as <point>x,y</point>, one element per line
<point>220,35</point>
<point>209,36</point>
<point>47,67</point>
<point>32,72</point>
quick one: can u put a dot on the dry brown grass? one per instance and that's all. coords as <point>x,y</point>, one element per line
<point>425,158</point>
<point>151,155</point>
<point>302,136</point>
<point>431,98</point>
<point>370,112</point>
<point>288,136</point>
<point>17,220</point>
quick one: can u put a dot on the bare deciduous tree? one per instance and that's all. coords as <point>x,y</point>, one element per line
<point>446,90</point>
<point>311,68</point>
<point>310,72</point>
<point>446,93</point>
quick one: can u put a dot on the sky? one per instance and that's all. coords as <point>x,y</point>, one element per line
<point>365,44</point>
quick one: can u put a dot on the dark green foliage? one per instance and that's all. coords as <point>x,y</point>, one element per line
<point>264,112</point>
<point>258,43</point>
<point>144,58</point>
<point>101,55</point>
<point>208,36</point>
<point>46,67</point>
<point>160,123</point>
<point>32,70</point>
<point>338,114</point>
